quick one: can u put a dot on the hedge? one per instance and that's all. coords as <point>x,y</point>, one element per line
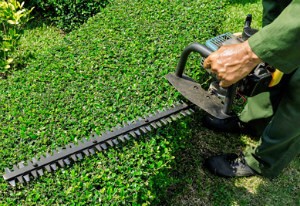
<point>108,71</point>
<point>67,14</point>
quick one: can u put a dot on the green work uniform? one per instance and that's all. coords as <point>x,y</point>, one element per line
<point>277,111</point>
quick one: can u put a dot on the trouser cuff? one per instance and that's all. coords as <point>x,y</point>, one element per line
<point>251,161</point>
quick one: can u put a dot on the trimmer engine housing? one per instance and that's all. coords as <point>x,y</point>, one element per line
<point>218,101</point>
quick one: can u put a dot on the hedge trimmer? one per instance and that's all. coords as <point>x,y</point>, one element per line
<point>216,101</point>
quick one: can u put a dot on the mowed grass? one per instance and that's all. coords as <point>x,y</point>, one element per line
<point>109,71</point>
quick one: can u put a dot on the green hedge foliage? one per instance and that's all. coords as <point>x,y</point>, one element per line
<point>13,17</point>
<point>109,71</point>
<point>67,14</point>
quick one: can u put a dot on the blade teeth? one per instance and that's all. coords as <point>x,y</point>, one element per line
<point>132,134</point>
<point>98,148</point>
<point>61,163</point>
<point>148,128</point>
<point>67,161</point>
<point>118,127</point>
<point>158,124</point>
<point>92,151</point>
<point>54,166</point>
<point>20,179</point>
<point>74,158</point>
<point>168,119</point>
<point>15,167</point>
<point>40,172</point>
<point>188,112</point>
<point>153,125</point>
<point>86,152</point>
<point>34,173</point>
<point>12,183</point>
<point>175,104</point>
<point>137,132</point>
<point>48,168</point>
<point>29,163</point>
<point>184,113</point>
<point>115,141</point>
<point>34,160</point>
<point>127,137</point>
<point>7,170</point>
<point>178,116</point>
<point>164,121</point>
<point>104,146</point>
<point>79,155</point>
<point>121,138</point>
<point>21,165</point>
<point>124,124</point>
<point>174,117</point>
<point>27,178</point>
<point>143,130</point>
<point>110,143</point>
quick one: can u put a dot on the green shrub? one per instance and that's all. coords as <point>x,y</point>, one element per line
<point>68,14</point>
<point>109,71</point>
<point>12,19</point>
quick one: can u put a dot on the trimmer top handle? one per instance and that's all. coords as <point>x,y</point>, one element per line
<point>205,52</point>
<point>194,47</point>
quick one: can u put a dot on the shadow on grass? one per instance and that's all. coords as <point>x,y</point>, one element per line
<point>193,185</point>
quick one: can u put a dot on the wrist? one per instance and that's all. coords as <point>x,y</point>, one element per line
<point>251,55</point>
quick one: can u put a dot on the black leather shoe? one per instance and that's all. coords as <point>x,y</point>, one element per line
<point>229,165</point>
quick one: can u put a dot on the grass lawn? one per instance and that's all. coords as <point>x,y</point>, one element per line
<point>112,70</point>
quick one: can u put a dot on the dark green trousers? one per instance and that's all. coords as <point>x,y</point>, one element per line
<point>275,115</point>
<point>280,140</point>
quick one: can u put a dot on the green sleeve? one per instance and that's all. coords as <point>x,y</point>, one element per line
<point>278,43</point>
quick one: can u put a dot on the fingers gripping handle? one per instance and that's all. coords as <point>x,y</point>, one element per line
<point>205,52</point>
<point>194,47</point>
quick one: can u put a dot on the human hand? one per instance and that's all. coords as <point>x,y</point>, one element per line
<point>231,63</point>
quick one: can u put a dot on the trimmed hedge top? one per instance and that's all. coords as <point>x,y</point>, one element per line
<point>110,70</point>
